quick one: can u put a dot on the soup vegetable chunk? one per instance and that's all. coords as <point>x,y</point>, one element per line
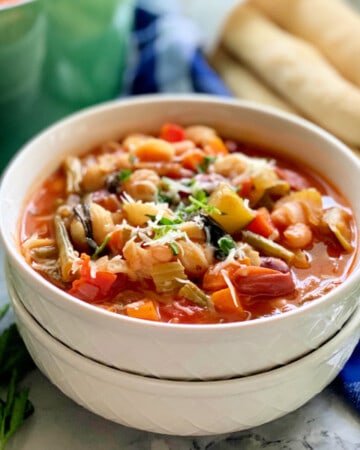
<point>187,227</point>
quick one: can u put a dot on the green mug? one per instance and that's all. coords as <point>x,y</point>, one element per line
<point>22,52</point>
<point>22,49</point>
<point>57,56</point>
<point>87,40</point>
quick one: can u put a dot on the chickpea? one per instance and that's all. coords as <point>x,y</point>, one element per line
<point>298,235</point>
<point>142,185</point>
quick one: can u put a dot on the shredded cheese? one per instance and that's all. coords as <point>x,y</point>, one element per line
<point>234,296</point>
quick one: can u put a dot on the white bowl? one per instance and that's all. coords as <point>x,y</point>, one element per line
<point>185,407</point>
<point>172,350</point>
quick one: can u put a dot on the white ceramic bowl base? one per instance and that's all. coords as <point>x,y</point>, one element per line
<point>186,408</point>
<point>183,352</point>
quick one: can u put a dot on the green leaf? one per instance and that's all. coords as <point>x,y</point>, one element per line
<point>162,197</point>
<point>3,310</point>
<point>163,225</point>
<point>226,243</point>
<point>204,165</point>
<point>14,411</point>
<point>165,220</point>
<point>4,339</point>
<point>199,204</point>
<point>10,393</point>
<point>15,362</point>
<point>124,174</point>
<point>20,409</point>
<point>13,355</point>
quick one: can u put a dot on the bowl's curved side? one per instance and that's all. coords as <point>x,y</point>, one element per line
<point>185,353</point>
<point>185,408</point>
<point>178,351</point>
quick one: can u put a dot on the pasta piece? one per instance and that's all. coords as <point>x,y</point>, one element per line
<point>138,213</point>
<point>199,133</point>
<point>142,259</point>
<point>154,149</point>
<point>194,257</point>
<point>142,185</point>
<point>102,222</point>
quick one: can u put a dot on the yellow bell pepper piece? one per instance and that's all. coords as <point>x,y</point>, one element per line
<point>235,214</point>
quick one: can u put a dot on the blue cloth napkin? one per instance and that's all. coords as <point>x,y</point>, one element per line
<point>166,57</point>
<point>348,381</point>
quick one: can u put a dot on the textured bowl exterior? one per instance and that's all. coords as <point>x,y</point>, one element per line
<point>185,407</point>
<point>168,350</point>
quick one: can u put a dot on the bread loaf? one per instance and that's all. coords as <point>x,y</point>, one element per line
<point>296,70</point>
<point>333,26</point>
<point>244,84</point>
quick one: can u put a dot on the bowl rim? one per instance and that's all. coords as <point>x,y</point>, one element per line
<point>200,387</point>
<point>69,301</point>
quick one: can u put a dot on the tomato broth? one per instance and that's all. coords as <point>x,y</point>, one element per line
<point>188,227</point>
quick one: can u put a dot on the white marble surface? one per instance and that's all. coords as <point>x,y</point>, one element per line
<point>327,422</point>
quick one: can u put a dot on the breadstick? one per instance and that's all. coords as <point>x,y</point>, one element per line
<point>296,70</point>
<point>331,25</point>
<point>243,84</point>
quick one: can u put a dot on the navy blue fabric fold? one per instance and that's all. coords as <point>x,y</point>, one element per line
<point>348,381</point>
<point>166,57</point>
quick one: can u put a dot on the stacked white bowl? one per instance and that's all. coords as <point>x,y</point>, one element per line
<point>172,378</point>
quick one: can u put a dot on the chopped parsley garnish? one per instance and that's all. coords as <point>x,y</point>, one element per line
<point>199,202</point>
<point>124,174</point>
<point>167,221</point>
<point>163,197</point>
<point>114,180</point>
<point>226,243</point>
<point>160,232</point>
<point>164,220</point>
<point>204,165</point>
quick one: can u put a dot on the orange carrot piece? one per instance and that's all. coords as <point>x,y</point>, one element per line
<point>215,146</point>
<point>262,223</point>
<point>213,279</point>
<point>118,239</point>
<point>224,301</point>
<point>192,158</point>
<point>143,310</point>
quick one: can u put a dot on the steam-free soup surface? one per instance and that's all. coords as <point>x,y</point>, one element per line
<point>188,227</point>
